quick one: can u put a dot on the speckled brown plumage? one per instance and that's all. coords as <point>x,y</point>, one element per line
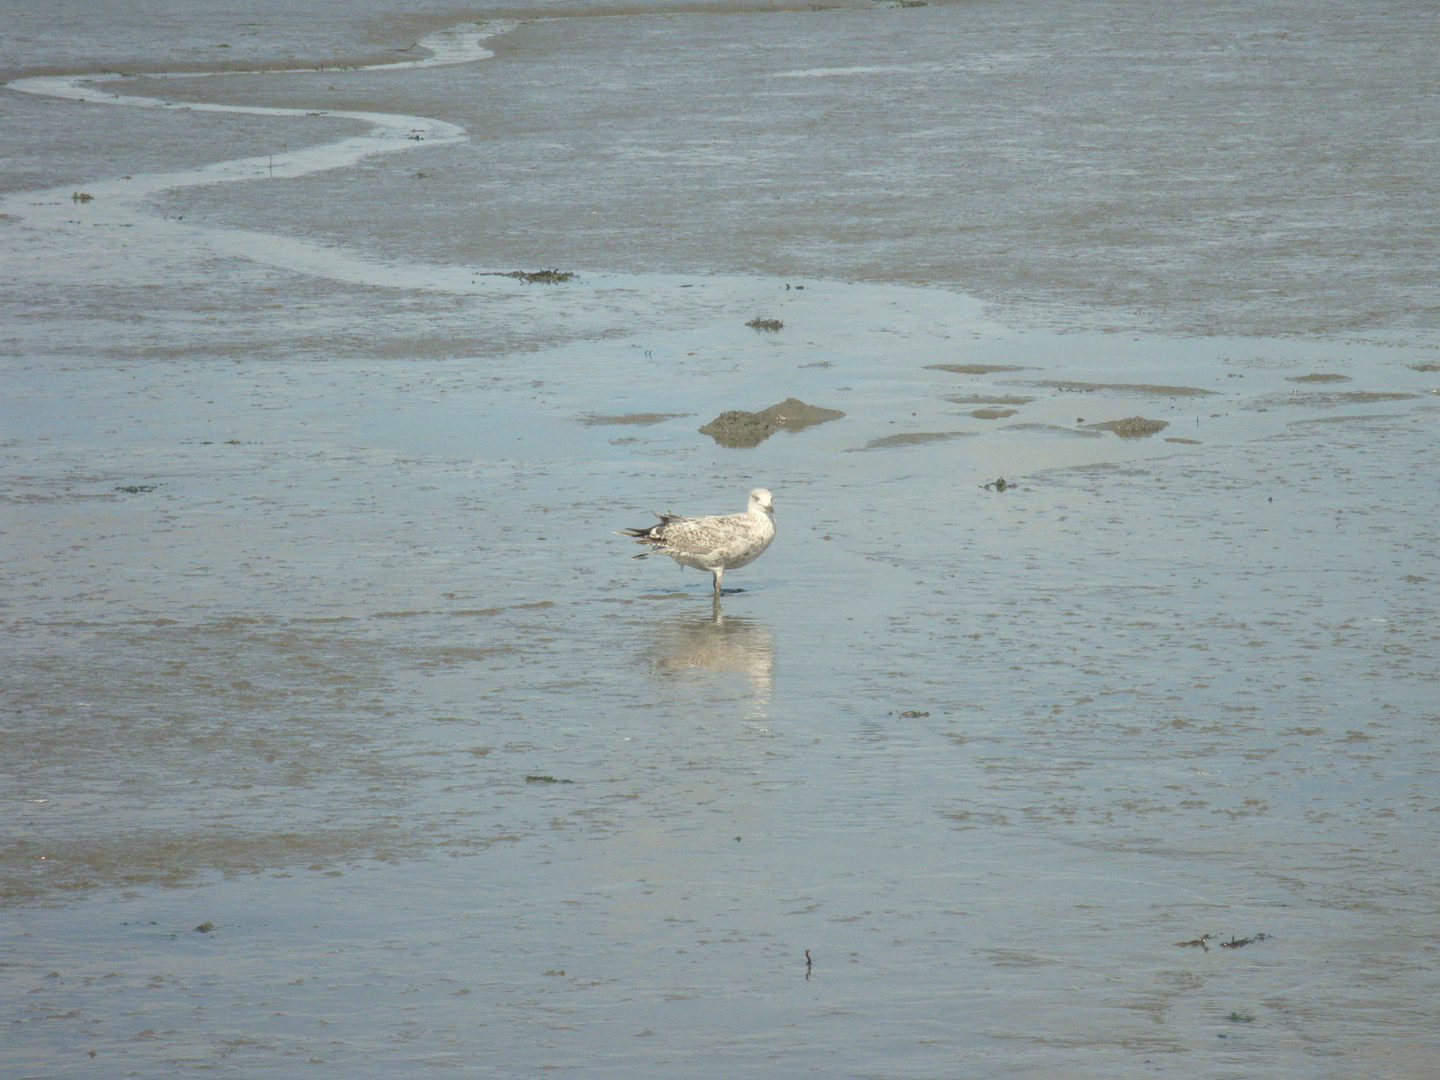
<point>716,543</point>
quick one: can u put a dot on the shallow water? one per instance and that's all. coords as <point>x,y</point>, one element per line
<point>318,635</point>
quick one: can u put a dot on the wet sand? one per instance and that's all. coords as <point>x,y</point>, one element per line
<point>318,637</point>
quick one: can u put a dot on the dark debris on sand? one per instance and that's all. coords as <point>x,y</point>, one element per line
<point>543,277</point>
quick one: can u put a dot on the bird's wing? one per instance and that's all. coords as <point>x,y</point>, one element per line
<point>699,536</point>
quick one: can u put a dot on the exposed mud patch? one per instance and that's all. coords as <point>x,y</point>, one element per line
<point>637,419</point>
<point>740,429</point>
<point>174,858</point>
<point>993,414</point>
<point>989,399</point>
<point>1365,397</point>
<point>974,369</point>
<point>1053,429</point>
<point>913,438</point>
<point>1132,427</point>
<point>1372,419</point>
<point>1126,388</point>
<point>1350,397</point>
<point>1317,378</point>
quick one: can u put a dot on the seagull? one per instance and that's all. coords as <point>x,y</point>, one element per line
<point>717,543</point>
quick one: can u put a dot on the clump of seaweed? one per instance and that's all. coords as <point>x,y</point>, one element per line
<point>543,277</point>
<point>81,196</point>
<point>135,489</point>
<point>765,324</point>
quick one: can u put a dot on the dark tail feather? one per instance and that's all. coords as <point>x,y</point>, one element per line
<point>650,534</point>
<point>641,536</point>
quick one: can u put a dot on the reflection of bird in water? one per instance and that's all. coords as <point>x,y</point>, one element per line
<point>718,644</point>
<point>717,543</point>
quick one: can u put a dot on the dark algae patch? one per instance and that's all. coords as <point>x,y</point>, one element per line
<point>766,324</point>
<point>739,429</point>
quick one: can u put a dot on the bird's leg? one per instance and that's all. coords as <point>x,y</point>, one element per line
<point>717,573</point>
